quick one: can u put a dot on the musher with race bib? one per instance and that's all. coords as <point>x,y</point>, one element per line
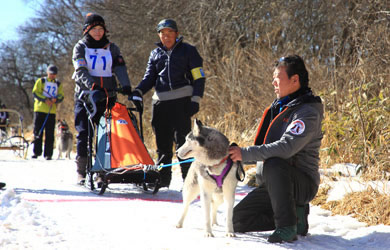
<point>96,61</point>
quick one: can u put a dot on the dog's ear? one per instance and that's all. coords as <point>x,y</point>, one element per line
<point>197,127</point>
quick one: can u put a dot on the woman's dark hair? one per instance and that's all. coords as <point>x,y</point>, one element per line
<point>294,65</point>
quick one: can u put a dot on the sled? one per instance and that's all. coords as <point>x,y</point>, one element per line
<point>11,133</point>
<point>120,156</point>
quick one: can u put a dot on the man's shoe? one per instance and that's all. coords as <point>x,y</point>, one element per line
<point>34,156</point>
<point>302,222</point>
<point>283,234</point>
<point>80,179</point>
<point>48,158</point>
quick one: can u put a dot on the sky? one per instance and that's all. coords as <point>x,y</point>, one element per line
<point>14,13</point>
<point>42,208</point>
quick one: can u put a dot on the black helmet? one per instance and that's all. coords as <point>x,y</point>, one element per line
<point>166,23</point>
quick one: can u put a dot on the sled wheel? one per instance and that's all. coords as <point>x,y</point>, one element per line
<point>103,188</point>
<point>156,186</point>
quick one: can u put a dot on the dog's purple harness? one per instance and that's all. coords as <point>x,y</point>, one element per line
<point>219,178</point>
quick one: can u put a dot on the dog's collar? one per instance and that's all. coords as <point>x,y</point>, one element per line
<point>222,161</point>
<point>219,178</point>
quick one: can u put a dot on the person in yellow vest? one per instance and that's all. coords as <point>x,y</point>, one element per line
<point>47,93</point>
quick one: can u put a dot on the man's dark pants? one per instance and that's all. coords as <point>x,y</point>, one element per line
<point>171,122</point>
<point>273,204</point>
<point>48,129</point>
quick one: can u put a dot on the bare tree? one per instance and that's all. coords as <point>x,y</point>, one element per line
<point>344,43</point>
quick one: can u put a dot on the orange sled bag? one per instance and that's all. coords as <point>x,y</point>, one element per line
<point>119,144</point>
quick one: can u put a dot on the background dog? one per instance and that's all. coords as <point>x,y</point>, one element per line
<point>209,147</point>
<point>64,139</point>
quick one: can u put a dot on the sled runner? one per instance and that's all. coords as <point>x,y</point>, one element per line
<point>120,155</point>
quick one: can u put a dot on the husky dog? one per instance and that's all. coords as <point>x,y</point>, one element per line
<point>64,139</point>
<point>212,175</point>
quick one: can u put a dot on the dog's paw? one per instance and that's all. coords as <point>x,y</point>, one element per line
<point>208,234</point>
<point>179,225</point>
<point>230,234</point>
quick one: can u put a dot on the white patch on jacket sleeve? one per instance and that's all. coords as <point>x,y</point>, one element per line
<point>297,127</point>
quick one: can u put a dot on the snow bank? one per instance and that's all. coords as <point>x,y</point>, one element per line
<point>22,225</point>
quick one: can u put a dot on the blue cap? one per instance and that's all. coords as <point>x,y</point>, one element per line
<point>166,23</point>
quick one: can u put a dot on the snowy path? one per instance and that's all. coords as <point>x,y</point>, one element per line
<point>42,208</point>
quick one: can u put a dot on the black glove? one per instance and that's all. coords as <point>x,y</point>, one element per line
<point>194,108</point>
<point>126,90</point>
<point>136,98</point>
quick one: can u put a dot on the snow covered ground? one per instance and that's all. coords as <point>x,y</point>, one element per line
<point>42,208</point>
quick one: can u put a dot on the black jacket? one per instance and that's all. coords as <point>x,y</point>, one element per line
<point>168,71</point>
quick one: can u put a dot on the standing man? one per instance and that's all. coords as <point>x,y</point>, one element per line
<point>287,142</point>
<point>175,71</point>
<point>47,93</point>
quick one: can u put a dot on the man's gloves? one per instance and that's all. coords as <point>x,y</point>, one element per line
<point>126,90</point>
<point>136,97</point>
<point>194,108</point>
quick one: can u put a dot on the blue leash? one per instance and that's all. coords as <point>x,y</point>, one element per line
<point>175,163</point>
<point>171,164</point>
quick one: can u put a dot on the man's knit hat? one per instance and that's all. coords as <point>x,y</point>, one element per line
<point>92,20</point>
